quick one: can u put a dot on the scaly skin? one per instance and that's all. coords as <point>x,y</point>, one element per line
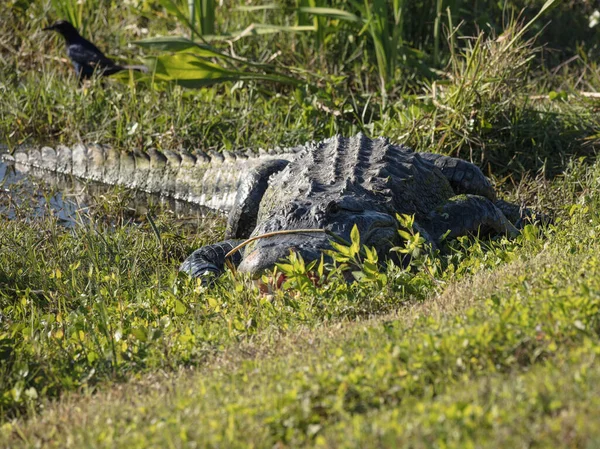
<point>209,180</point>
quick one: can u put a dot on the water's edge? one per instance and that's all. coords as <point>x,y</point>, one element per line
<point>67,197</point>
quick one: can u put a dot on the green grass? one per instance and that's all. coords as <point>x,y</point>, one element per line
<point>476,107</point>
<point>503,356</point>
<point>104,344</point>
<point>103,303</point>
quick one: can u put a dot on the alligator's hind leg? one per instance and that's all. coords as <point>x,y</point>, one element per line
<point>242,218</point>
<point>521,216</point>
<point>464,177</point>
<point>209,261</point>
<point>469,214</point>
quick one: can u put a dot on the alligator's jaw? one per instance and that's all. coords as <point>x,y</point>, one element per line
<point>267,252</point>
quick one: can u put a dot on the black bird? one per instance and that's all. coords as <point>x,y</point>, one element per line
<point>85,56</point>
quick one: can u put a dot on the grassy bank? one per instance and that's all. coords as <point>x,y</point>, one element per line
<point>504,355</point>
<point>104,344</point>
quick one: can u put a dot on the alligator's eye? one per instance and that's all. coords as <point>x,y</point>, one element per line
<point>333,208</point>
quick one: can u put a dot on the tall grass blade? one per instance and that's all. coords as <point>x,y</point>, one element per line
<point>436,32</point>
<point>155,229</point>
<point>192,16</point>
<point>173,8</point>
<point>545,7</point>
<point>332,13</point>
<point>303,18</point>
<point>72,10</point>
<point>208,17</point>
<point>254,8</point>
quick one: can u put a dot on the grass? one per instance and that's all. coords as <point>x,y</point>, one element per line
<point>108,306</point>
<point>503,356</point>
<point>104,344</point>
<point>104,301</point>
<point>476,108</point>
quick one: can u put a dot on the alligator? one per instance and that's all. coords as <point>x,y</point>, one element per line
<point>340,183</point>
<point>330,185</point>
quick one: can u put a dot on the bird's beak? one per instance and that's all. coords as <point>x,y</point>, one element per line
<point>51,27</point>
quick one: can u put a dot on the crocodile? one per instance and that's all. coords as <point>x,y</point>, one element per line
<point>342,182</point>
<point>330,185</point>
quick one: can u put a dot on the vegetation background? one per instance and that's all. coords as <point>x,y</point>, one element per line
<point>104,344</point>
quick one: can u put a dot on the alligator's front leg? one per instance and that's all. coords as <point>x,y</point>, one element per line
<point>468,214</point>
<point>210,259</point>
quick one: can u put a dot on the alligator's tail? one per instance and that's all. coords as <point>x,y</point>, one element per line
<point>209,180</point>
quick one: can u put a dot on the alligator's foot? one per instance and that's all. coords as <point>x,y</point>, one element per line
<point>463,176</point>
<point>469,214</point>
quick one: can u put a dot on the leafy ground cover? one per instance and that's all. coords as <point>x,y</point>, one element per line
<point>104,344</point>
<point>505,355</point>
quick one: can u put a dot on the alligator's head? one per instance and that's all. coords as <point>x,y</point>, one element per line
<point>377,229</point>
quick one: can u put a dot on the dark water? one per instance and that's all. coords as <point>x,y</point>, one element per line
<point>32,193</point>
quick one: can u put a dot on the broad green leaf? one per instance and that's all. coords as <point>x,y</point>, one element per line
<point>92,357</point>
<point>179,43</point>
<point>321,267</point>
<point>180,308</point>
<point>371,255</point>
<point>190,70</point>
<point>140,333</point>
<point>285,267</point>
<point>405,235</point>
<point>168,43</point>
<point>530,233</point>
<point>561,95</point>
<point>342,249</point>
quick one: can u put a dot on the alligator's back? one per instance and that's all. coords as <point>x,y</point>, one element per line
<point>209,180</point>
<point>393,176</point>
